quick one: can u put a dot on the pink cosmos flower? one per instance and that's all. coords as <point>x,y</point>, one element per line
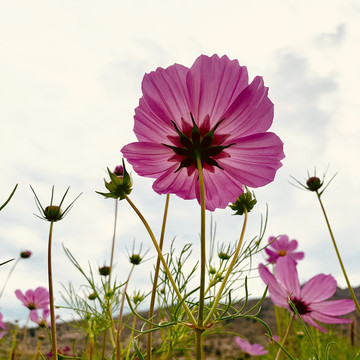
<point>2,326</point>
<point>282,246</point>
<point>208,111</point>
<point>309,299</point>
<point>34,299</point>
<point>251,349</point>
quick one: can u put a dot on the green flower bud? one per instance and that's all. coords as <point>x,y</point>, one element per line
<point>223,255</point>
<point>53,213</point>
<point>212,271</point>
<point>314,183</point>
<point>245,202</point>
<point>104,270</point>
<point>135,259</point>
<point>120,185</point>
<point>93,296</point>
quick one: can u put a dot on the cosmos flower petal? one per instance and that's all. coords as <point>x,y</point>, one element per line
<point>248,348</point>
<point>255,159</point>
<point>217,194</point>
<point>149,159</point>
<point>176,182</point>
<point>286,273</point>
<point>292,245</point>
<point>334,307</point>
<point>312,322</point>
<point>277,292</point>
<point>328,319</point>
<point>318,288</point>
<point>165,98</point>
<point>213,84</point>
<point>252,112</point>
<point>19,294</point>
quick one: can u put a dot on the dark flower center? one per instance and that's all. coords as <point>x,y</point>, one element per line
<point>301,307</point>
<point>282,252</point>
<point>31,306</point>
<point>197,146</point>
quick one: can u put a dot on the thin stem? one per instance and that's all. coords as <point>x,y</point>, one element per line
<point>163,261</point>
<point>228,272</point>
<point>339,257</point>
<point>202,243</point>
<point>51,298</point>
<point>198,343</point>
<point>285,336</point>
<point>155,280</point>
<point>109,281</point>
<point>113,241</point>
<point>10,272</point>
<point>24,336</point>
<point>119,329</point>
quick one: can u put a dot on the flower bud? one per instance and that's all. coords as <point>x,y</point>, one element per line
<point>120,185</point>
<point>119,170</point>
<point>314,183</point>
<point>135,259</point>
<point>93,296</point>
<point>212,270</point>
<point>53,213</point>
<point>223,255</point>
<point>245,202</point>
<point>25,254</point>
<point>104,270</point>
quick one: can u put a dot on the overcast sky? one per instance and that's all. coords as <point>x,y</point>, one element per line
<point>70,79</point>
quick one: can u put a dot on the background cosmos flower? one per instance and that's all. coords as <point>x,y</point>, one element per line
<point>309,299</point>
<point>2,326</point>
<point>282,246</point>
<point>34,299</point>
<point>250,349</point>
<point>211,110</point>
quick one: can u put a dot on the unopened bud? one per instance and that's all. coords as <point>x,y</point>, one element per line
<point>25,254</point>
<point>53,213</point>
<point>104,270</point>
<point>314,183</point>
<point>135,259</point>
<point>245,202</point>
<point>223,255</point>
<point>93,296</point>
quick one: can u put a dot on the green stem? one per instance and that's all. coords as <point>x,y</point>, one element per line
<point>155,280</point>
<point>24,336</point>
<point>109,281</point>
<point>51,298</point>
<point>285,336</point>
<point>339,257</point>
<point>119,329</point>
<point>163,261</point>
<point>202,243</point>
<point>10,272</point>
<point>198,343</point>
<point>228,272</point>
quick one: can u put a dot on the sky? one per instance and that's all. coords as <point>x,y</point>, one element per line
<point>71,75</point>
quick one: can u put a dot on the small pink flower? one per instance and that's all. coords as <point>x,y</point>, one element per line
<point>34,299</point>
<point>209,111</point>
<point>250,349</point>
<point>309,299</point>
<point>2,326</point>
<point>282,246</point>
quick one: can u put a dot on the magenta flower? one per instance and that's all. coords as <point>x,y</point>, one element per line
<point>34,299</point>
<point>2,326</point>
<point>208,111</point>
<point>250,349</point>
<point>282,246</point>
<point>309,299</point>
